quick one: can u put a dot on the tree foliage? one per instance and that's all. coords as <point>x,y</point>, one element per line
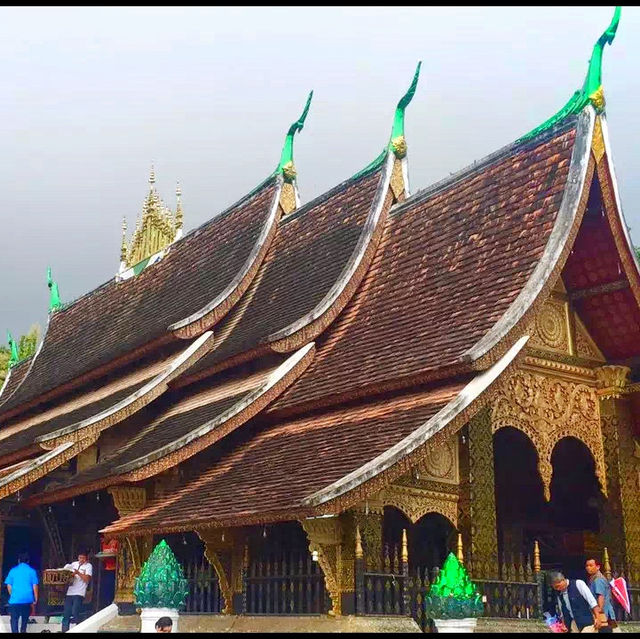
<point>27,345</point>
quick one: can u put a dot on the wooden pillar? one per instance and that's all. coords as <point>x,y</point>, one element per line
<point>132,551</point>
<point>326,538</point>
<point>482,500</point>
<point>227,552</point>
<point>404,561</point>
<point>622,518</point>
<point>359,573</point>
<point>1,550</point>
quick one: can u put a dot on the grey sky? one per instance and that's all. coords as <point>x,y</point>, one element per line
<point>91,95</point>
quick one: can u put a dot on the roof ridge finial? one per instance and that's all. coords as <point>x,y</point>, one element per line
<point>54,294</point>
<point>123,247</point>
<point>179,214</point>
<point>591,91</point>
<point>152,176</point>
<point>397,143</point>
<point>14,358</point>
<point>286,166</point>
<point>592,88</point>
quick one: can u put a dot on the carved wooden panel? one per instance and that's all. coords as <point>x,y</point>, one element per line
<point>547,410</point>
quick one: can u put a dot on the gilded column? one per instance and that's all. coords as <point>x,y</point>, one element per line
<point>484,540</point>
<point>132,551</point>
<point>369,517</point>
<point>621,525</point>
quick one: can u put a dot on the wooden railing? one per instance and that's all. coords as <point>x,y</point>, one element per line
<point>204,591</point>
<point>286,584</point>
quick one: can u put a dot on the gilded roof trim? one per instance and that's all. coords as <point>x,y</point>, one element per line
<point>554,252</point>
<point>315,321</point>
<point>134,402</point>
<point>213,312</point>
<point>39,467</point>
<point>472,391</point>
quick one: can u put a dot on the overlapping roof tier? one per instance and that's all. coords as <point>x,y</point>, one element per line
<point>350,337</point>
<point>195,284</point>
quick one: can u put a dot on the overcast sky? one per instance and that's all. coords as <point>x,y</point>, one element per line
<point>90,96</point>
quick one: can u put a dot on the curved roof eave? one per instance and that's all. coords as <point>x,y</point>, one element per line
<point>310,325</point>
<point>504,331</point>
<point>632,266</point>
<point>134,402</point>
<point>456,412</point>
<point>213,312</point>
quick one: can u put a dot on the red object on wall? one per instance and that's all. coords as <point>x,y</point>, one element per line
<point>109,546</point>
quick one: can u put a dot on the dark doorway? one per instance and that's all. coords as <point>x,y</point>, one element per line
<point>520,505</point>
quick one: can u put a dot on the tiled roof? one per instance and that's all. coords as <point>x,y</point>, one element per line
<point>275,469</point>
<point>151,437</point>
<point>27,436</point>
<point>119,317</point>
<point>450,263</point>
<point>308,254</point>
<point>14,377</point>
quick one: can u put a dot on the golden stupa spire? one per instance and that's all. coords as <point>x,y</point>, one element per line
<point>156,229</point>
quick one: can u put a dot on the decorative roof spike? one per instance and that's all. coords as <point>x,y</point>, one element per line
<point>591,91</point>
<point>123,247</point>
<point>592,88</point>
<point>152,176</point>
<point>286,166</point>
<point>54,294</point>
<point>14,358</point>
<point>179,215</point>
<point>398,144</point>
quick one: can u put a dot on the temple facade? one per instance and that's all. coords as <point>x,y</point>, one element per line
<point>313,403</point>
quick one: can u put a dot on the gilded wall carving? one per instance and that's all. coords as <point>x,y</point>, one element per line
<point>415,502</point>
<point>547,410</point>
<point>484,539</point>
<point>441,463</point>
<point>550,329</point>
<point>623,469</point>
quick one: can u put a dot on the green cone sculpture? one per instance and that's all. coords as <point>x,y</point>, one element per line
<point>161,583</point>
<point>453,595</point>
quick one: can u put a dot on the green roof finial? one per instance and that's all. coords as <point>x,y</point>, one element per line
<point>14,358</point>
<point>591,89</point>
<point>593,81</point>
<point>54,295</point>
<point>161,583</point>
<point>397,143</point>
<point>286,166</point>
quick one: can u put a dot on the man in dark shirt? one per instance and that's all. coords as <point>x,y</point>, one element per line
<point>577,606</point>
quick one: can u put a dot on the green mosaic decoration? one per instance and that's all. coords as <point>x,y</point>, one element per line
<point>54,294</point>
<point>286,166</point>
<point>13,348</point>
<point>453,595</point>
<point>591,91</point>
<point>161,583</point>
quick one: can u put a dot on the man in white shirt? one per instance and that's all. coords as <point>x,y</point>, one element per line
<point>82,571</point>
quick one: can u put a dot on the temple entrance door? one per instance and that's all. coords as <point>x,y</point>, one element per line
<point>567,526</point>
<point>429,540</point>
<point>576,506</point>
<point>521,510</point>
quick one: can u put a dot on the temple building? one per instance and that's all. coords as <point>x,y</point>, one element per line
<point>313,403</point>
